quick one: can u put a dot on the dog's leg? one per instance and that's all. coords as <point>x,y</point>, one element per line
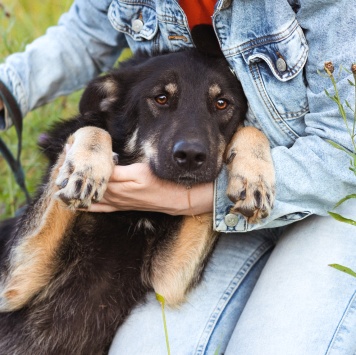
<point>76,180</point>
<point>176,268</point>
<point>251,183</point>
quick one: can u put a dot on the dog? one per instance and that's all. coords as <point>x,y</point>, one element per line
<point>68,277</point>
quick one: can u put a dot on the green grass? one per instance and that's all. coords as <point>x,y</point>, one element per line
<point>21,22</point>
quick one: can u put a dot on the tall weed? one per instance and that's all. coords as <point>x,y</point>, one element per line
<point>351,129</point>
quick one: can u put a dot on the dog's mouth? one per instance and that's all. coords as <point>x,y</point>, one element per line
<point>175,174</point>
<point>187,180</point>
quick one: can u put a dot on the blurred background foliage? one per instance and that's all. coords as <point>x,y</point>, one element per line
<point>21,22</point>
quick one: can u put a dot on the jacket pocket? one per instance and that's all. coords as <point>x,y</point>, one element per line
<point>276,64</point>
<point>136,19</point>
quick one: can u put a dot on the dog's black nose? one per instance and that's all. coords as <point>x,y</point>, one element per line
<point>189,155</point>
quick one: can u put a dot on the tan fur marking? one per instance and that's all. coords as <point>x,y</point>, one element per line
<point>11,294</point>
<point>214,90</point>
<point>131,144</point>
<point>32,260</point>
<point>250,145</point>
<point>175,268</point>
<point>149,150</point>
<point>171,88</point>
<point>109,86</point>
<point>110,89</point>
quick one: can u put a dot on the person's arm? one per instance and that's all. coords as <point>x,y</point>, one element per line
<point>81,46</point>
<point>312,176</point>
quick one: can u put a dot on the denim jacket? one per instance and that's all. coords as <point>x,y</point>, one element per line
<point>276,49</point>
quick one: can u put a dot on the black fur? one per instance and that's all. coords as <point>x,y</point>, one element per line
<point>99,266</point>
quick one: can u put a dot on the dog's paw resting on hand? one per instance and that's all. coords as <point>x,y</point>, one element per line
<point>251,184</point>
<point>85,173</point>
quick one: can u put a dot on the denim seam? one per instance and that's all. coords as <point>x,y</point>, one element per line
<point>18,89</point>
<point>274,38</point>
<point>138,3</point>
<point>268,103</point>
<point>291,73</point>
<point>290,115</point>
<point>333,339</point>
<point>226,296</point>
<point>260,87</point>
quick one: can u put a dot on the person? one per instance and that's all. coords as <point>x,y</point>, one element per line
<point>267,288</point>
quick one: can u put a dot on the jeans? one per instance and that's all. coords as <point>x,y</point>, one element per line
<point>267,292</point>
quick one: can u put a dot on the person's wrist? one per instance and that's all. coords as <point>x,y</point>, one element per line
<point>196,200</point>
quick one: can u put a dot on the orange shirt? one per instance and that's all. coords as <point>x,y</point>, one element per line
<point>198,12</point>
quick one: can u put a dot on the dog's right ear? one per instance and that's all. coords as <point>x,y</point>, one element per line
<point>99,94</point>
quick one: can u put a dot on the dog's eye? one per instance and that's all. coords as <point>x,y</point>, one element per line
<point>161,99</point>
<point>221,104</point>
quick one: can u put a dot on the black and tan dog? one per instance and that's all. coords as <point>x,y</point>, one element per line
<point>69,278</point>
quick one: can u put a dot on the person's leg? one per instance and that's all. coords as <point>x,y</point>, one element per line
<point>205,322</point>
<point>300,305</point>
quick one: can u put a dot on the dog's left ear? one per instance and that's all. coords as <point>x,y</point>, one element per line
<point>100,94</point>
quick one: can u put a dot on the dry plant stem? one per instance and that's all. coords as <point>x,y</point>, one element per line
<point>329,68</point>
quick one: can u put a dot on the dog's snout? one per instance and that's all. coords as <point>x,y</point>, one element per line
<point>189,155</point>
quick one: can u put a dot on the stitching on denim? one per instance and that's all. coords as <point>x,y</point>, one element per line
<point>18,88</point>
<point>268,103</point>
<point>295,114</point>
<point>291,72</point>
<point>148,3</point>
<point>333,339</point>
<point>274,38</point>
<point>254,70</point>
<point>226,296</point>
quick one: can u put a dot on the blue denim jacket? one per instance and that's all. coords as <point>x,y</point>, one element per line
<point>276,49</point>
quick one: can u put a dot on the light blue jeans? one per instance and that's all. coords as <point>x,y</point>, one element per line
<point>265,292</point>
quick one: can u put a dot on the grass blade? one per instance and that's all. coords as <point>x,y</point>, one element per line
<point>340,147</point>
<point>344,269</point>
<point>342,219</point>
<point>161,300</point>
<point>348,197</point>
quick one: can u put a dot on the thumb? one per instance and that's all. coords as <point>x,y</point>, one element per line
<point>129,172</point>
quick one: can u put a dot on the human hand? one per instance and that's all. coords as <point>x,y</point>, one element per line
<point>134,187</point>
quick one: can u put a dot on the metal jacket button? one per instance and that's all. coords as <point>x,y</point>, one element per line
<point>137,25</point>
<point>281,64</point>
<point>231,220</point>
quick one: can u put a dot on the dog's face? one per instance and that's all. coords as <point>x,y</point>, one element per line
<point>176,111</point>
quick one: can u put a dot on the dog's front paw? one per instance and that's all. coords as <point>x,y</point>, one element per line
<point>85,173</point>
<point>80,184</point>
<point>251,174</point>
<point>253,195</point>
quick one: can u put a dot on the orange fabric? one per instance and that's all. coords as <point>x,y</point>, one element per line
<point>198,12</point>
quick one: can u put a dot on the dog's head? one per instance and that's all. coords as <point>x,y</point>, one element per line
<point>176,111</point>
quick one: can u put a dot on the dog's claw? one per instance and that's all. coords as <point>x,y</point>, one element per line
<point>115,158</point>
<point>252,199</point>
<point>63,184</point>
<point>83,185</point>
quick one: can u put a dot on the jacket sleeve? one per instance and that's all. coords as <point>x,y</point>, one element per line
<point>81,46</point>
<point>312,175</point>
